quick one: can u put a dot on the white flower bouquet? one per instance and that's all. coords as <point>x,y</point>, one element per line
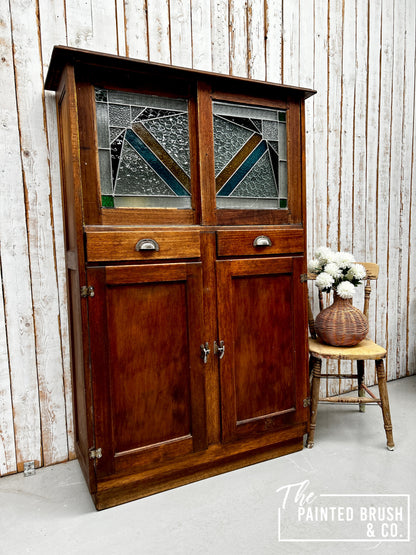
<point>337,271</point>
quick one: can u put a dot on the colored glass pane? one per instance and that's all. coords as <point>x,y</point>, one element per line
<point>250,156</point>
<point>143,149</point>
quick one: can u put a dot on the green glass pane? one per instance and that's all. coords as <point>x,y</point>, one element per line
<point>107,201</point>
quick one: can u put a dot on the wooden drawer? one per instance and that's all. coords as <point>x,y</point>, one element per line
<point>242,242</point>
<point>103,246</point>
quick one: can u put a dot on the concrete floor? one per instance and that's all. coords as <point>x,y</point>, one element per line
<point>235,513</point>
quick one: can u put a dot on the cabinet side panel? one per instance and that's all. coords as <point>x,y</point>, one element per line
<point>72,204</point>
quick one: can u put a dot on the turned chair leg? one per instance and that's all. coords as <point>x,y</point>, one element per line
<point>316,380</point>
<point>361,391</point>
<point>385,407</point>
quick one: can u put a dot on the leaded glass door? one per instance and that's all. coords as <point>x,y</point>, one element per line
<point>250,156</point>
<point>143,148</point>
<point>257,177</point>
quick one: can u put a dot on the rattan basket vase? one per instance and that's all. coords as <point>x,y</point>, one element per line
<point>341,324</point>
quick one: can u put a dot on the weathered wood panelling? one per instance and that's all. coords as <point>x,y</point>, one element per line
<point>360,139</point>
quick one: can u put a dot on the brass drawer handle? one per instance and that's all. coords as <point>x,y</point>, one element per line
<point>147,245</point>
<point>262,241</point>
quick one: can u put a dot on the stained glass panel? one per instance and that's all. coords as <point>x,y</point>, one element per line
<point>143,146</point>
<point>250,156</point>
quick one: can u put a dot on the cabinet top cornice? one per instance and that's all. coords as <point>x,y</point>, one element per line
<point>63,56</point>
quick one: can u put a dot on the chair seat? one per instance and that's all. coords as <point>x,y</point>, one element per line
<point>365,350</point>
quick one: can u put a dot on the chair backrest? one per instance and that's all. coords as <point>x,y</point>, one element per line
<point>372,270</point>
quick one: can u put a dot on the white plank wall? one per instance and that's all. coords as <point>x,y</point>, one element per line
<point>361,165</point>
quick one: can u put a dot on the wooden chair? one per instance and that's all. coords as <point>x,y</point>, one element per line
<point>365,350</point>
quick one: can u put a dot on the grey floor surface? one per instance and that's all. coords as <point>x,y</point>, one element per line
<point>238,512</point>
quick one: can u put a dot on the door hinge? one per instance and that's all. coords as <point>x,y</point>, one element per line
<point>307,402</point>
<point>95,453</point>
<point>87,291</point>
<point>303,278</point>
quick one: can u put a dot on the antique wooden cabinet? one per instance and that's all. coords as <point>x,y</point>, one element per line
<point>184,206</point>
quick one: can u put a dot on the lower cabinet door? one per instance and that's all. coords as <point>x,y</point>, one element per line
<point>262,321</point>
<point>145,326</point>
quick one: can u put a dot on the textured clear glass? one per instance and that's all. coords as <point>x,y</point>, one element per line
<point>283,179</point>
<point>115,132</point>
<point>259,182</point>
<point>100,95</point>
<point>120,116</point>
<point>135,177</point>
<point>105,171</point>
<point>282,141</point>
<point>146,161</point>
<point>172,132</point>
<point>270,130</point>
<point>137,99</point>
<point>250,156</point>
<point>102,125</point>
<point>228,140</point>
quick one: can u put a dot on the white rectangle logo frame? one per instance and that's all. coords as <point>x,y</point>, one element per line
<point>355,540</point>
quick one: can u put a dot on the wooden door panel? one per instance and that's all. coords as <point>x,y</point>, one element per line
<point>260,301</point>
<point>261,317</point>
<point>150,378</point>
<point>151,324</point>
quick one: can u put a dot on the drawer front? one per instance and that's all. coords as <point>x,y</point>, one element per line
<point>259,242</point>
<point>103,246</point>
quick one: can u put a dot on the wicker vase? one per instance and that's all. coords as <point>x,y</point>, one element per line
<point>341,324</point>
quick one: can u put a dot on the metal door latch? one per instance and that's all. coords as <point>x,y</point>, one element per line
<point>219,349</point>
<point>87,291</point>
<point>95,453</point>
<point>307,402</point>
<point>205,352</point>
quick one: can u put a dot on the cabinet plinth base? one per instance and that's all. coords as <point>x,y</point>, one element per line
<point>133,487</point>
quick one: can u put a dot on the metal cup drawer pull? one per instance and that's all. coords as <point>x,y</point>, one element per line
<point>262,241</point>
<point>147,245</point>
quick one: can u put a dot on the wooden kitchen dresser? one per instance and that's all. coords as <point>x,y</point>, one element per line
<point>184,208</point>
